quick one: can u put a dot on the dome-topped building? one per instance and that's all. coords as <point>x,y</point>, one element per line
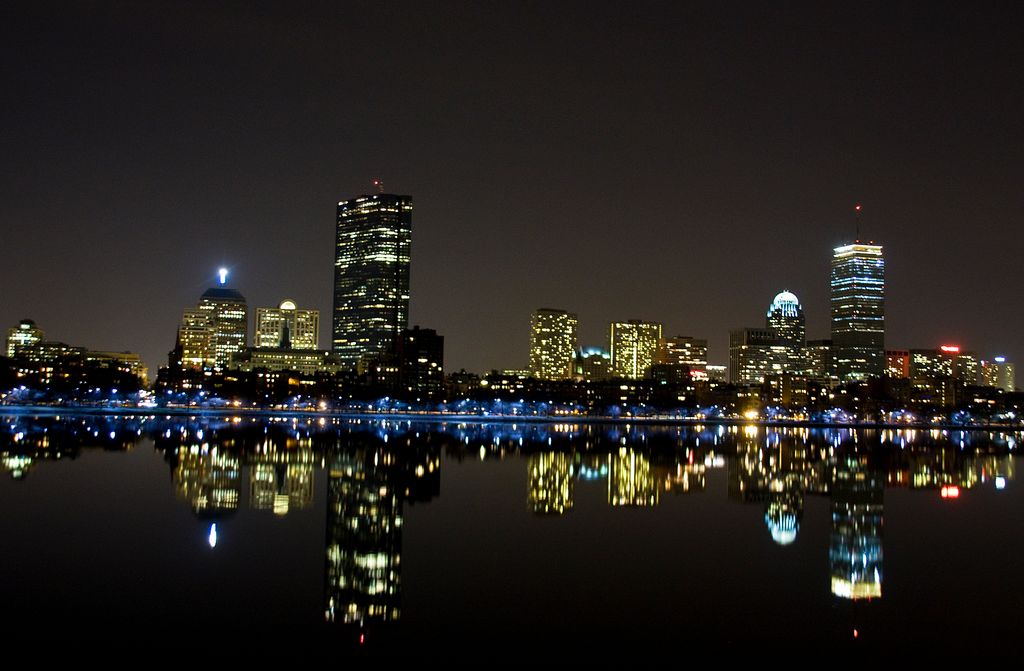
<point>786,316</point>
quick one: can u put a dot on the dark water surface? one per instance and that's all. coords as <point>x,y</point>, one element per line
<point>389,536</point>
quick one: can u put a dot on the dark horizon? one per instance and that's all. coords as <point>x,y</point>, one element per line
<point>680,164</point>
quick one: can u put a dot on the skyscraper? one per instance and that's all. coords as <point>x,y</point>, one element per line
<point>634,347</point>
<point>552,344</point>
<point>26,333</point>
<point>303,326</point>
<point>217,328</point>
<point>786,317</point>
<point>371,275</point>
<point>229,319</point>
<point>858,310</point>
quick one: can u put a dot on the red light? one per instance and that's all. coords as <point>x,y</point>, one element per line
<point>855,633</point>
<point>950,348</point>
<point>362,638</point>
<point>950,492</point>
<point>857,207</point>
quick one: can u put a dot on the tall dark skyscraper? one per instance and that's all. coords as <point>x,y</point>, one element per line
<point>371,275</point>
<point>858,310</point>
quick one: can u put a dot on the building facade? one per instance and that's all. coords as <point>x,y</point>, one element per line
<point>227,318</point>
<point>552,344</point>
<point>786,317</point>
<point>26,333</point>
<point>593,364</point>
<point>858,310</point>
<point>633,347</point>
<point>684,351</point>
<point>421,364</point>
<point>755,353</point>
<point>371,275</point>
<point>999,373</point>
<point>303,326</point>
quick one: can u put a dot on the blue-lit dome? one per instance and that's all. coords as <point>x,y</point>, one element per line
<point>785,303</point>
<point>783,526</point>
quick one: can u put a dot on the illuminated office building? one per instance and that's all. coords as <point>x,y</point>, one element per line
<point>230,319</point>
<point>303,326</point>
<point>897,363</point>
<point>552,344</point>
<point>946,362</point>
<point>684,351</point>
<point>217,328</point>
<point>277,359</point>
<point>551,483</point>
<point>818,363</point>
<point>634,348</point>
<point>998,373</point>
<point>858,310</point>
<point>593,364</point>
<point>371,275</point>
<point>195,337</point>
<point>24,334</point>
<point>786,317</point>
<point>755,353</point>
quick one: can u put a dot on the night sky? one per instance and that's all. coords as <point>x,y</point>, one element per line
<point>673,162</point>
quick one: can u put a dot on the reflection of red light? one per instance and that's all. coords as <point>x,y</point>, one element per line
<point>950,491</point>
<point>362,639</point>
<point>950,348</point>
<point>855,634</point>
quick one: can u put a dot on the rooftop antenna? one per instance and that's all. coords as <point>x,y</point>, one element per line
<point>379,185</point>
<point>856,219</point>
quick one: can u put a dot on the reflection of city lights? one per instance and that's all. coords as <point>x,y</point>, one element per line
<point>212,539</point>
<point>950,492</point>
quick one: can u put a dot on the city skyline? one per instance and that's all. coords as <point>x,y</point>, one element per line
<point>526,187</point>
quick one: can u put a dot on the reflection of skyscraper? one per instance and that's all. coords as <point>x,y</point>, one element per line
<point>551,482</point>
<point>364,540</point>
<point>371,275</point>
<point>855,546</point>
<point>210,481</point>
<point>858,310</point>
<point>631,481</point>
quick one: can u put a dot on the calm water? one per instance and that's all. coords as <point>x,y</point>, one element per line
<point>387,536</point>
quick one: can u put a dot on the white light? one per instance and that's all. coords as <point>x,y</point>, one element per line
<point>213,535</point>
<point>223,273</point>
<point>1000,482</point>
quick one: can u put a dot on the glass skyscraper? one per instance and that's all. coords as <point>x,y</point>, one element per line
<point>858,311</point>
<point>371,275</point>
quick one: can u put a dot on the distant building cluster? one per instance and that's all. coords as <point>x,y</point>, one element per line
<point>372,348</point>
<point>36,364</point>
<point>375,356</point>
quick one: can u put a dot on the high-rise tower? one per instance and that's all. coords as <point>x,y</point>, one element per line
<point>858,310</point>
<point>552,344</point>
<point>371,275</point>
<point>634,348</point>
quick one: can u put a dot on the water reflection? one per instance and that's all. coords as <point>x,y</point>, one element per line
<point>374,469</point>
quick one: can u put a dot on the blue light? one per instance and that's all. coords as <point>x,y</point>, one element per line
<point>223,273</point>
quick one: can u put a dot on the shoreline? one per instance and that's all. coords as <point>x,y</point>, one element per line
<point>433,416</point>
